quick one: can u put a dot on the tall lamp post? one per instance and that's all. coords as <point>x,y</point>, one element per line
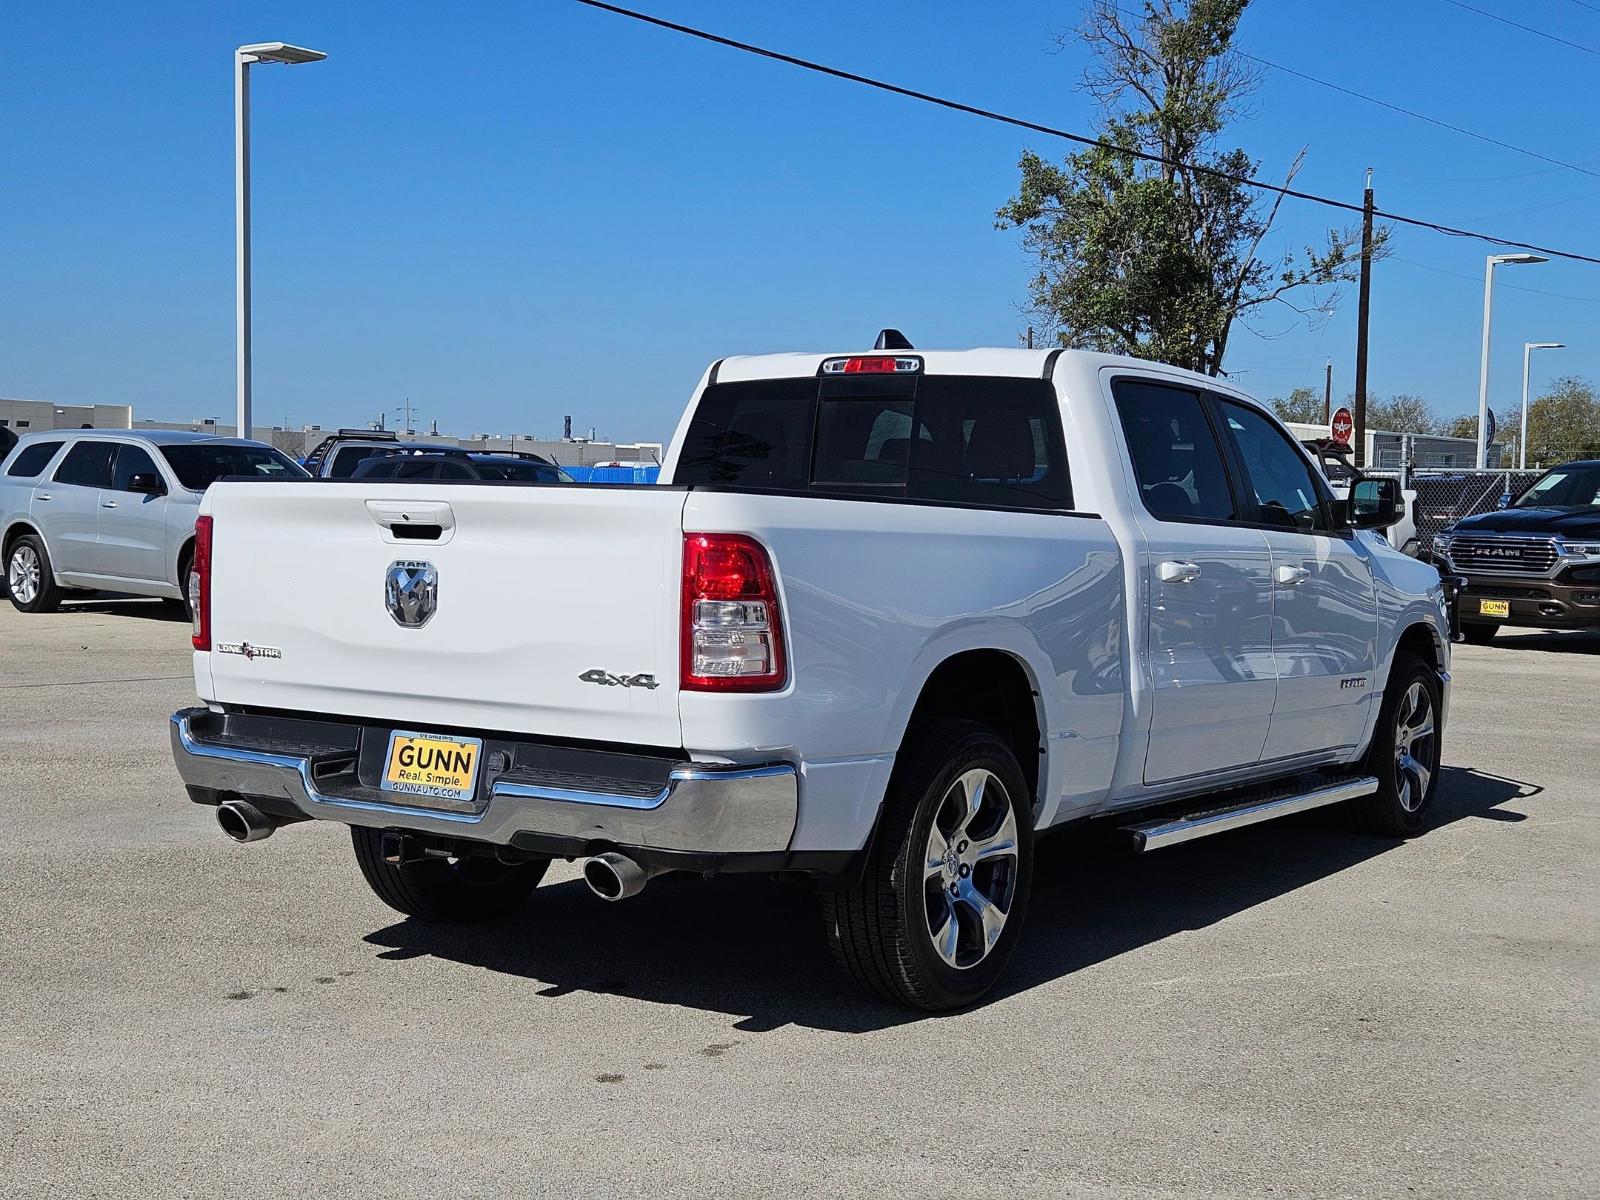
<point>1494,260</point>
<point>1527,352</point>
<point>260,52</point>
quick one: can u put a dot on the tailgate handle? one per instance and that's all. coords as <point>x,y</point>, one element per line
<point>413,520</point>
<point>417,533</point>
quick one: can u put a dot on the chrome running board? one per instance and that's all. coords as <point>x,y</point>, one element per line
<point>1169,831</point>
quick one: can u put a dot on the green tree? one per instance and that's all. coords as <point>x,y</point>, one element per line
<point>1400,413</point>
<point>1303,404</point>
<point>1563,423</point>
<point>1160,259</point>
<point>1466,426</point>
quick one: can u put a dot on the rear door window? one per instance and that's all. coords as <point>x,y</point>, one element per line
<point>87,464</point>
<point>1177,461</point>
<point>33,459</point>
<point>991,441</point>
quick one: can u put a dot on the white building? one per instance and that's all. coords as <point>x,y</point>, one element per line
<point>1385,449</point>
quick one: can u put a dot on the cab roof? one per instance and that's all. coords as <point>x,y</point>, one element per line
<point>1001,361</point>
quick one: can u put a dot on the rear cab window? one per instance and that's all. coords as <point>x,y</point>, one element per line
<point>32,459</point>
<point>991,441</point>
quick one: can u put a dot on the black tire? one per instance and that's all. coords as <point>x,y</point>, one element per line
<point>880,930</point>
<point>451,891</point>
<point>1477,633</point>
<point>1399,808</point>
<point>46,596</point>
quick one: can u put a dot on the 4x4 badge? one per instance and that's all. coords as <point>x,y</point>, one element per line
<point>607,679</point>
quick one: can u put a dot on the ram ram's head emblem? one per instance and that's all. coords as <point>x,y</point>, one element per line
<point>411,592</point>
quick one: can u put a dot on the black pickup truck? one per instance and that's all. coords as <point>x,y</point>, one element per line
<point>1535,562</point>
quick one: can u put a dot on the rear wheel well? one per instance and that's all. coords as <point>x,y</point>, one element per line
<point>990,687</point>
<point>20,529</point>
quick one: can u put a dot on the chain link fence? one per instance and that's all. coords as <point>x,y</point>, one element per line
<point>1444,496</point>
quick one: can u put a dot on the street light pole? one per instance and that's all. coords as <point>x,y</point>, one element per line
<point>264,52</point>
<point>1489,265</point>
<point>1527,352</point>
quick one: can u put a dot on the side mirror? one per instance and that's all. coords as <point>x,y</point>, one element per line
<point>147,484</point>
<point>1374,504</point>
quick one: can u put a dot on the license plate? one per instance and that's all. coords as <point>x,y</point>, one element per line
<point>432,764</point>
<point>1494,608</point>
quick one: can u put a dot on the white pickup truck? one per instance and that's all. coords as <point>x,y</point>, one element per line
<point>889,618</point>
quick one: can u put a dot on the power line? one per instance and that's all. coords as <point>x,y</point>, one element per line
<point>1586,4</point>
<point>1525,28</point>
<point>1080,139</point>
<point>1409,112</point>
<point>1478,279</point>
<point>1482,137</point>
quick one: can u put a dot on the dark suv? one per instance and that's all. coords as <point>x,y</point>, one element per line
<point>1535,562</point>
<point>494,467</point>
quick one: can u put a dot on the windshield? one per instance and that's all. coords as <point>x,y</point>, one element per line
<point>199,466</point>
<point>1565,487</point>
<point>522,469</point>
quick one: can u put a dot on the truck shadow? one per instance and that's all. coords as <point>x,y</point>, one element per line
<point>1552,642</point>
<point>755,951</point>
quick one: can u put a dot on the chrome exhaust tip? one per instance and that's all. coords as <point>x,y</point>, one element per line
<point>613,876</point>
<point>243,821</point>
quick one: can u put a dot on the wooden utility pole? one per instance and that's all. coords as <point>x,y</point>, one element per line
<point>1327,393</point>
<point>1362,312</point>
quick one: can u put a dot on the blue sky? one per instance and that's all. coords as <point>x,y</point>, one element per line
<point>513,211</point>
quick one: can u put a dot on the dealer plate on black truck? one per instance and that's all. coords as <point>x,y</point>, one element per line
<point>432,764</point>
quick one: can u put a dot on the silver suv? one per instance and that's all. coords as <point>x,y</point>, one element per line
<point>112,510</point>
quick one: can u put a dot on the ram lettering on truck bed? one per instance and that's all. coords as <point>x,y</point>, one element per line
<point>889,617</point>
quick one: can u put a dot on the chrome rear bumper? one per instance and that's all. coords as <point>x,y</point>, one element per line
<point>702,808</point>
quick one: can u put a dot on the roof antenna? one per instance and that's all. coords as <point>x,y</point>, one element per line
<point>892,339</point>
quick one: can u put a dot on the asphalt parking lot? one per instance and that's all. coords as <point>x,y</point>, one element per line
<point>1287,1010</point>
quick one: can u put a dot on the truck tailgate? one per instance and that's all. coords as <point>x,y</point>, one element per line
<point>537,587</point>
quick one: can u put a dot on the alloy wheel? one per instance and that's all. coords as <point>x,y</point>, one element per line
<point>22,575</point>
<point>970,869</point>
<point>1413,746</point>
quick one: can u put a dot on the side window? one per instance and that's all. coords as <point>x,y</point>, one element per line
<point>87,464</point>
<point>30,461</point>
<point>453,470</point>
<point>1176,459</point>
<point>417,470</point>
<point>131,461</point>
<point>989,441</point>
<point>1285,492</point>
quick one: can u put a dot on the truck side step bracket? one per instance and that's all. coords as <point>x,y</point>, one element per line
<point>1174,828</point>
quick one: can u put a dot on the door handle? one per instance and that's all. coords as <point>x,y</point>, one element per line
<point>41,495</point>
<point>108,504</point>
<point>1290,576</point>
<point>1178,572</point>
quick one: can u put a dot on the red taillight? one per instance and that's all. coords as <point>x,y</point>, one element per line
<point>732,631</point>
<point>199,583</point>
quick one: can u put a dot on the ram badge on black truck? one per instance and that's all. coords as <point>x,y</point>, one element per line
<point>1535,562</point>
